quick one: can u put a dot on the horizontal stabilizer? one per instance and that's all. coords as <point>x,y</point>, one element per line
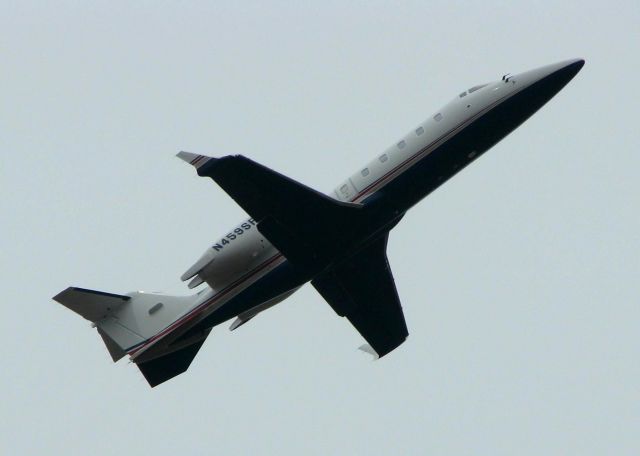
<point>164,368</point>
<point>92,305</point>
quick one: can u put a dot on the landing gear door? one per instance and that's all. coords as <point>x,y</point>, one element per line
<point>346,191</point>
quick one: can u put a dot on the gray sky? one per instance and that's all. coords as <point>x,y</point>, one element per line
<point>519,277</point>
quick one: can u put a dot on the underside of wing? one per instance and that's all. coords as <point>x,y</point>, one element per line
<point>362,289</point>
<point>302,223</point>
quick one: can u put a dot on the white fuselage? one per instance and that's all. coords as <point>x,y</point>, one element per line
<point>243,256</point>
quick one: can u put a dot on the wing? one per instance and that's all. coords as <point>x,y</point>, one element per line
<point>363,290</point>
<point>303,224</point>
<point>312,230</point>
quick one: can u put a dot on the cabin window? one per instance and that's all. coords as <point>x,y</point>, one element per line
<point>344,188</point>
<point>463,94</point>
<point>383,158</point>
<point>438,117</point>
<point>365,172</point>
<point>419,131</point>
<point>401,144</point>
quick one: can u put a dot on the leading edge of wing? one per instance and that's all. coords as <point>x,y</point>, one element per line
<point>305,225</point>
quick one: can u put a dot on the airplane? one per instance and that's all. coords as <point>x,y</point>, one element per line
<point>295,234</point>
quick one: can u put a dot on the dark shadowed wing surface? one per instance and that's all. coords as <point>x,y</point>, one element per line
<point>362,289</point>
<point>300,222</point>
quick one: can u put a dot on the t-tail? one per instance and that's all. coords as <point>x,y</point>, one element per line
<point>134,324</point>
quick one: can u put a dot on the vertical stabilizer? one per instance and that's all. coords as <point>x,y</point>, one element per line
<point>125,321</point>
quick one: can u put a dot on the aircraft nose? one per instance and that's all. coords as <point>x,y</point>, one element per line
<point>561,72</point>
<point>572,68</point>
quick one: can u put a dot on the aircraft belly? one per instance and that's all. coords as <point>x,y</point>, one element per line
<point>283,278</point>
<point>249,314</point>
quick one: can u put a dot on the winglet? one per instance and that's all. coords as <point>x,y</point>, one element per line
<point>239,322</point>
<point>193,159</point>
<point>368,349</point>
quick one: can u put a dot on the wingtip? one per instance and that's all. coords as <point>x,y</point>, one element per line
<point>236,324</point>
<point>366,348</point>
<point>194,160</point>
<point>59,298</point>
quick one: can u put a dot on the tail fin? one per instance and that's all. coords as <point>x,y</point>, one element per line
<point>125,321</point>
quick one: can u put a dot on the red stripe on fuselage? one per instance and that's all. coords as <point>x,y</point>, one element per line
<point>202,306</point>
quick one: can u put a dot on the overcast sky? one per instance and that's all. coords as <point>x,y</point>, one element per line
<point>519,277</point>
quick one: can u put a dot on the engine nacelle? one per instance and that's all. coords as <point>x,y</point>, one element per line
<point>239,251</point>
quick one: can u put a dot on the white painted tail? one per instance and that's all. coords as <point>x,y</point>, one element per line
<point>124,321</point>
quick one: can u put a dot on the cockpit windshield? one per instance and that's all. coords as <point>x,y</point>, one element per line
<point>478,87</point>
<point>472,89</point>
